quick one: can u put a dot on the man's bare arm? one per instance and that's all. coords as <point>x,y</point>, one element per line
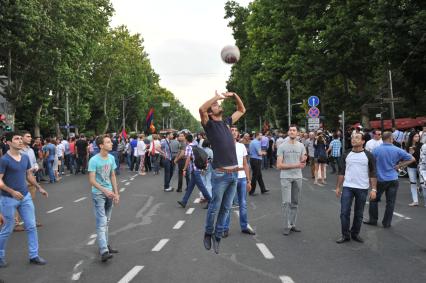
<point>240,109</point>
<point>204,108</point>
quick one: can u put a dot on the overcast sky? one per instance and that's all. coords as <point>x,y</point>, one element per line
<point>183,39</point>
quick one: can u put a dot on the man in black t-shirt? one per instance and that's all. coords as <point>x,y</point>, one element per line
<point>225,164</point>
<point>81,154</point>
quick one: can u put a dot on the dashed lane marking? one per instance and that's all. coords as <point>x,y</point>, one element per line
<point>160,245</point>
<point>265,251</point>
<point>197,200</point>
<point>134,175</point>
<point>122,190</point>
<point>179,224</point>
<point>91,242</point>
<point>401,215</point>
<point>126,184</point>
<point>131,179</point>
<point>286,279</point>
<point>131,274</point>
<point>123,181</point>
<point>80,199</point>
<point>76,276</point>
<point>93,236</point>
<point>190,210</point>
<point>55,209</point>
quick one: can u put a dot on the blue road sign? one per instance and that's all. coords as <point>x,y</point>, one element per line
<point>313,101</point>
<point>313,112</point>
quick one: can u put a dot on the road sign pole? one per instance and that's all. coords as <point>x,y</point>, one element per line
<point>343,131</point>
<point>392,105</point>
<point>289,102</point>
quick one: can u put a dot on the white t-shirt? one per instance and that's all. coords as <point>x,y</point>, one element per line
<point>372,144</point>
<point>60,150</point>
<point>357,170</point>
<point>140,148</point>
<point>241,154</point>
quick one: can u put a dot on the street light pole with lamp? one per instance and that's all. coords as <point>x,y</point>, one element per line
<point>124,100</point>
<point>291,112</point>
<point>67,111</point>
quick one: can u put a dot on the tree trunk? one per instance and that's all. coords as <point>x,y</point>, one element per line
<point>106,104</point>
<point>136,126</point>
<point>365,117</point>
<point>77,102</point>
<point>37,121</point>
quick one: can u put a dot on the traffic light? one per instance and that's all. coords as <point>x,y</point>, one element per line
<point>3,123</point>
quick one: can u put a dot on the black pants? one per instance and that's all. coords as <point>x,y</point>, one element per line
<point>390,188</point>
<point>147,162</point>
<point>81,162</point>
<point>256,167</point>
<point>181,164</point>
<point>135,163</point>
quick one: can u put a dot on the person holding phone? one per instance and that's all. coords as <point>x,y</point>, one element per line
<point>357,173</point>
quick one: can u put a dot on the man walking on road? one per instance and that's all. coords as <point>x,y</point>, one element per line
<point>291,159</point>
<point>357,172</point>
<point>81,154</point>
<point>15,171</point>
<point>104,192</point>
<point>389,159</point>
<point>180,161</point>
<point>167,161</point>
<point>256,153</point>
<point>225,164</point>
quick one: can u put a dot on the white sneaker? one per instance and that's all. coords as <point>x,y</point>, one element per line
<point>414,204</point>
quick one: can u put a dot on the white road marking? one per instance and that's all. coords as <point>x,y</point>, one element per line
<point>126,184</point>
<point>91,242</point>
<point>123,181</point>
<point>76,276</point>
<point>134,175</point>
<point>55,209</point>
<point>77,265</point>
<point>80,199</point>
<point>67,175</point>
<point>179,224</point>
<point>265,251</point>
<point>93,236</point>
<point>197,200</point>
<point>131,274</point>
<point>237,212</point>
<point>407,218</point>
<point>190,210</point>
<point>122,190</point>
<point>286,279</point>
<point>160,245</point>
<point>131,179</point>
<point>398,214</point>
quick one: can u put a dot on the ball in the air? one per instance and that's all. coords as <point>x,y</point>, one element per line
<point>230,54</point>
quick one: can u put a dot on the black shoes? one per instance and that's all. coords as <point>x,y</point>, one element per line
<point>343,239</point>
<point>368,222</point>
<point>38,261</point>
<point>286,231</point>
<point>265,191</point>
<point>179,190</point>
<point>248,231</point>
<point>111,250</point>
<point>357,238</point>
<point>253,194</point>
<point>207,241</point>
<point>216,243</point>
<point>294,229</point>
<point>225,234</point>
<point>181,203</point>
<point>106,256</point>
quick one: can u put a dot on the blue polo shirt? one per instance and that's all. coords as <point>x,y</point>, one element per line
<point>254,149</point>
<point>15,173</point>
<point>387,157</point>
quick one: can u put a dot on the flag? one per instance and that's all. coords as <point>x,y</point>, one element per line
<point>150,121</point>
<point>123,134</point>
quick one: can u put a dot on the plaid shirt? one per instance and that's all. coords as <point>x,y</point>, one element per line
<point>165,146</point>
<point>189,152</point>
<point>336,146</point>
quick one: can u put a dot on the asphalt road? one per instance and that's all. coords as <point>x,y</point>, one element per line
<point>162,242</point>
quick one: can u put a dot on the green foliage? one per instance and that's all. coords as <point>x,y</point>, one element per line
<point>66,46</point>
<point>338,50</point>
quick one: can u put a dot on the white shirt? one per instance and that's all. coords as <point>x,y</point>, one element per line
<point>279,141</point>
<point>356,175</point>
<point>372,144</point>
<point>241,154</point>
<point>140,148</point>
<point>60,150</point>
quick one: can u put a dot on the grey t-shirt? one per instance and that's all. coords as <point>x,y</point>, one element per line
<point>291,154</point>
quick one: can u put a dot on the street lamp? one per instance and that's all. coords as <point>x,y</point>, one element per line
<point>165,104</point>
<point>291,112</point>
<point>67,111</point>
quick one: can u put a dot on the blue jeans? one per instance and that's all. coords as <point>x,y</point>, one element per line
<point>50,170</point>
<point>129,160</point>
<point>196,180</point>
<point>25,208</point>
<point>117,162</point>
<point>224,187</point>
<point>242,200</point>
<point>207,178</point>
<point>169,167</point>
<point>348,194</point>
<point>390,188</point>
<point>102,208</point>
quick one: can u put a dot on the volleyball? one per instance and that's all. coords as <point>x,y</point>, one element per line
<point>230,54</point>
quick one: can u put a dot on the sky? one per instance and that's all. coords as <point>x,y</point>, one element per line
<point>183,39</point>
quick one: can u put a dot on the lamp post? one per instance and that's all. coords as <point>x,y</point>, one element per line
<point>67,111</point>
<point>291,112</point>
<point>165,105</point>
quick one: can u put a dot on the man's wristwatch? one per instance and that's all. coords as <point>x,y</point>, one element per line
<point>374,190</point>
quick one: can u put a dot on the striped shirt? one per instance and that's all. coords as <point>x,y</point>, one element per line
<point>189,152</point>
<point>336,146</point>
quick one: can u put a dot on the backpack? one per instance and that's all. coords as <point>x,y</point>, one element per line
<point>200,157</point>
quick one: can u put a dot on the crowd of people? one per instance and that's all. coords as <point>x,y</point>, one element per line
<point>223,163</point>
